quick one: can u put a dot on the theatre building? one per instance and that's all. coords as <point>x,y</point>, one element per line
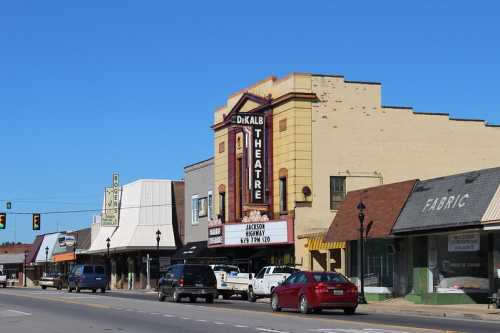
<point>286,152</point>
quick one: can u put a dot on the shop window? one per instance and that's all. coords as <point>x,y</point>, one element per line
<point>194,209</point>
<point>210,205</point>
<point>283,196</point>
<point>337,191</point>
<point>203,207</point>
<point>222,206</point>
<point>459,263</point>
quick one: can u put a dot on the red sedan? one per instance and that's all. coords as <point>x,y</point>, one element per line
<point>315,291</point>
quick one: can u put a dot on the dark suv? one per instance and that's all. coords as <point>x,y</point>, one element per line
<point>91,277</point>
<point>188,280</point>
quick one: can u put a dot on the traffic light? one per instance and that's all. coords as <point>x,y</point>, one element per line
<point>37,221</point>
<point>3,220</point>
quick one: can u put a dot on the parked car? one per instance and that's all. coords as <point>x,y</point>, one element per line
<point>188,280</point>
<point>3,279</point>
<point>230,281</point>
<point>315,291</point>
<point>53,280</point>
<point>268,278</point>
<point>91,277</point>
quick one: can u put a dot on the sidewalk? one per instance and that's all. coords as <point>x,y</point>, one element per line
<point>463,311</point>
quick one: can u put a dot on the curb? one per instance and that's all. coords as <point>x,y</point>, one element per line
<point>443,314</point>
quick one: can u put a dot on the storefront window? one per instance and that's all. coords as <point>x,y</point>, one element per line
<point>459,262</point>
<point>210,205</point>
<point>194,209</point>
<point>379,262</point>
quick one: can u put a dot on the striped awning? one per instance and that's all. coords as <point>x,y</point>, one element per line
<point>316,243</point>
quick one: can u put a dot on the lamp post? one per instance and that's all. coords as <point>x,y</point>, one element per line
<point>46,258</point>
<point>25,259</point>
<point>108,263</point>
<point>158,233</point>
<point>361,208</point>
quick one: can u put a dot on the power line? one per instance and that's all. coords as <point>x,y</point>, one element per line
<point>86,210</point>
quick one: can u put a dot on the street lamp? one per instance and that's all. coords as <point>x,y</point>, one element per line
<point>108,263</point>
<point>361,208</point>
<point>46,258</point>
<point>158,233</point>
<point>25,259</point>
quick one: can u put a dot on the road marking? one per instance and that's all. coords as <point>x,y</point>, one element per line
<point>130,310</point>
<point>201,320</point>
<point>270,330</point>
<point>218,323</point>
<point>20,312</point>
<point>353,330</point>
<point>185,318</point>
<point>240,326</point>
<point>155,313</point>
<point>168,315</point>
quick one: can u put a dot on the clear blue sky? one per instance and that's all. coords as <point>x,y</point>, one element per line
<point>92,87</point>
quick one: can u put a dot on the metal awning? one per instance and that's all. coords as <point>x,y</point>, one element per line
<point>317,243</point>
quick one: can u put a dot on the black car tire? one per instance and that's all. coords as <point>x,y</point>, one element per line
<point>44,287</point>
<point>226,296</point>
<point>209,299</point>
<point>94,291</point>
<point>103,290</point>
<point>304,305</point>
<point>161,296</point>
<point>176,298</point>
<point>251,296</point>
<point>275,303</point>
<point>349,311</point>
<point>59,287</point>
<point>69,289</point>
<point>317,310</point>
<point>192,299</point>
<point>77,289</point>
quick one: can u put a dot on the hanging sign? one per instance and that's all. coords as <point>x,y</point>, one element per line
<point>464,242</point>
<point>111,202</point>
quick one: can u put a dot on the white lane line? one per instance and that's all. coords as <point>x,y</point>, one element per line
<point>269,330</point>
<point>168,315</point>
<point>20,312</point>
<point>140,311</point>
<point>201,320</point>
<point>155,313</point>
<point>218,323</point>
<point>185,318</point>
<point>240,326</point>
<point>130,310</point>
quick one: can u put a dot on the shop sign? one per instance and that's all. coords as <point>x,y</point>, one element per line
<point>464,242</point>
<point>256,233</point>
<point>446,202</point>
<point>256,154</point>
<point>111,199</point>
<point>215,235</point>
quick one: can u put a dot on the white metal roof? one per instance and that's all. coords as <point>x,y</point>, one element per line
<point>146,206</point>
<point>492,213</point>
<point>49,241</point>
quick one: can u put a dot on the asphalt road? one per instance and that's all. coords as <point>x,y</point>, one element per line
<point>29,310</point>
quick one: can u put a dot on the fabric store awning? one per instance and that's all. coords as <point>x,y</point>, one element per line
<point>317,243</point>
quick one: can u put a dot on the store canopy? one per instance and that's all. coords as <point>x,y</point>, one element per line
<point>145,208</point>
<point>317,243</point>
<point>382,207</point>
<point>11,258</point>
<point>456,201</point>
<point>492,214</point>
<point>50,242</point>
<point>191,250</point>
<point>33,251</point>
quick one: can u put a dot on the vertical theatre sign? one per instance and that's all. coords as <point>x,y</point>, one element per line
<point>111,200</point>
<point>257,152</point>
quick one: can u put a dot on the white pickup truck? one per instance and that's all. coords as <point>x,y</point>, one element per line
<point>3,280</point>
<point>230,281</point>
<point>266,280</point>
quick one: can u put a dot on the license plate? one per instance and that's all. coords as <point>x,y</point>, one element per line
<point>338,292</point>
<point>199,285</point>
<point>98,279</point>
<point>203,291</point>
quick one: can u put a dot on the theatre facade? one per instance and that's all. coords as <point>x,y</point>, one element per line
<point>286,152</point>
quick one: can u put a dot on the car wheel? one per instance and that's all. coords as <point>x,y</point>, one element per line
<point>192,299</point>
<point>161,296</point>
<point>103,290</point>
<point>275,303</point>
<point>304,305</point>
<point>251,295</point>
<point>44,287</point>
<point>349,311</point>
<point>317,311</point>
<point>175,296</point>
<point>94,291</point>
<point>70,289</point>
<point>77,289</point>
<point>226,296</point>
<point>209,299</point>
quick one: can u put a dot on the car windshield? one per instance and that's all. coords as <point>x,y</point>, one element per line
<point>88,270</point>
<point>227,269</point>
<point>329,277</point>
<point>285,269</point>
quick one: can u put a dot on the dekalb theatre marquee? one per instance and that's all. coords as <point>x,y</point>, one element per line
<point>250,234</point>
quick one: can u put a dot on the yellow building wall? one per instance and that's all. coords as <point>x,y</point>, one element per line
<point>220,168</point>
